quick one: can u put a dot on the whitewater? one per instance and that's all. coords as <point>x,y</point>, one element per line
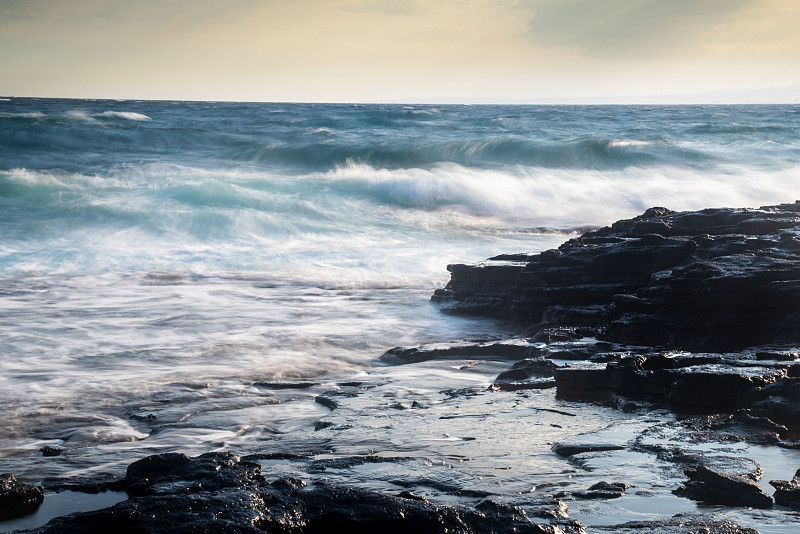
<point>160,260</point>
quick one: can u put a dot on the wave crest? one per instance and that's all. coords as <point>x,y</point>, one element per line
<point>129,115</point>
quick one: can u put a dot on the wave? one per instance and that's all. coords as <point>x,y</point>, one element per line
<point>88,137</point>
<point>562,198</point>
<point>520,196</point>
<point>353,226</point>
<point>129,115</point>
<point>79,115</point>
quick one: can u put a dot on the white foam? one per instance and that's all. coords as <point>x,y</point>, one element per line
<point>570,198</point>
<point>79,115</point>
<point>129,115</point>
<point>29,115</point>
<point>623,143</point>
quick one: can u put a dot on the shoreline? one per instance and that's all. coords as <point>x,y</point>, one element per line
<point>661,341</point>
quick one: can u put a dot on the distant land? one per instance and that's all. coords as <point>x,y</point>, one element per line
<point>788,94</point>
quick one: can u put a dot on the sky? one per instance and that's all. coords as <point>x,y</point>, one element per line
<point>395,50</point>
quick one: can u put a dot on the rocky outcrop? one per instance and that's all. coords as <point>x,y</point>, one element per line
<point>710,486</point>
<point>16,498</point>
<point>603,490</point>
<point>787,492</point>
<point>221,492</point>
<point>712,280</point>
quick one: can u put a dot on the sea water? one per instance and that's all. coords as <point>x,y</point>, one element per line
<point>160,260</point>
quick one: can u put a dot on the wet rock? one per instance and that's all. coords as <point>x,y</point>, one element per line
<point>678,525</point>
<point>18,499</point>
<point>783,356</point>
<point>711,388</point>
<point>603,490</point>
<point>710,486</point>
<point>513,350</point>
<point>289,483</point>
<point>527,368</point>
<point>581,381</point>
<point>567,449</point>
<point>787,492</point>
<point>170,473</point>
<point>562,333</point>
<point>226,511</point>
<point>738,426</point>
<point>220,492</point>
<point>530,373</point>
<point>780,410</point>
<point>691,383</point>
<point>284,384</point>
<point>329,398</point>
<point>51,451</point>
<point>713,280</point>
<point>328,508</point>
<point>534,383</point>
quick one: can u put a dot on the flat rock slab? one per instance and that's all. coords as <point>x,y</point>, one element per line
<point>714,487</point>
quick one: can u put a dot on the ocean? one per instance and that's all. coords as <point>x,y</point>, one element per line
<point>161,261</point>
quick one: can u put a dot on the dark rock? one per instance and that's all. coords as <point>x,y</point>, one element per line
<point>713,487</point>
<point>328,398</point>
<point>784,356</point>
<point>780,410</point>
<point>566,449</point>
<point>691,383</point>
<point>51,451</point>
<point>530,373</point>
<point>283,384</point>
<point>288,483</point>
<point>527,368</point>
<point>679,524</point>
<point>177,473</point>
<point>787,492</point>
<point>741,425</point>
<point>327,401</point>
<point>220,492</point>
<point>226,511</point>
<point>562,333</point>
<point>411,495</point>
<point>509,351</point>
<point>603,490</point>
<point>711,388</point>
<point>581,380</point>
<point>18,499</point>
<point>327,508</point>
<point>713,280</point>
<point>531,383</point>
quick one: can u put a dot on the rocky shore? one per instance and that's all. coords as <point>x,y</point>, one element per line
<point>656,368</point>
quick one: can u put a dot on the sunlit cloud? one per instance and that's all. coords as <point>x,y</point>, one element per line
<point>365,50</point>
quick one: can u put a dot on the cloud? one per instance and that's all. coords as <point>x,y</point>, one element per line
<point>626,28</point>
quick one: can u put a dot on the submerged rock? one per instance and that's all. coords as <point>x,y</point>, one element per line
<point>603,490</point>
<point>51,451</point>
<point>511,350</point>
